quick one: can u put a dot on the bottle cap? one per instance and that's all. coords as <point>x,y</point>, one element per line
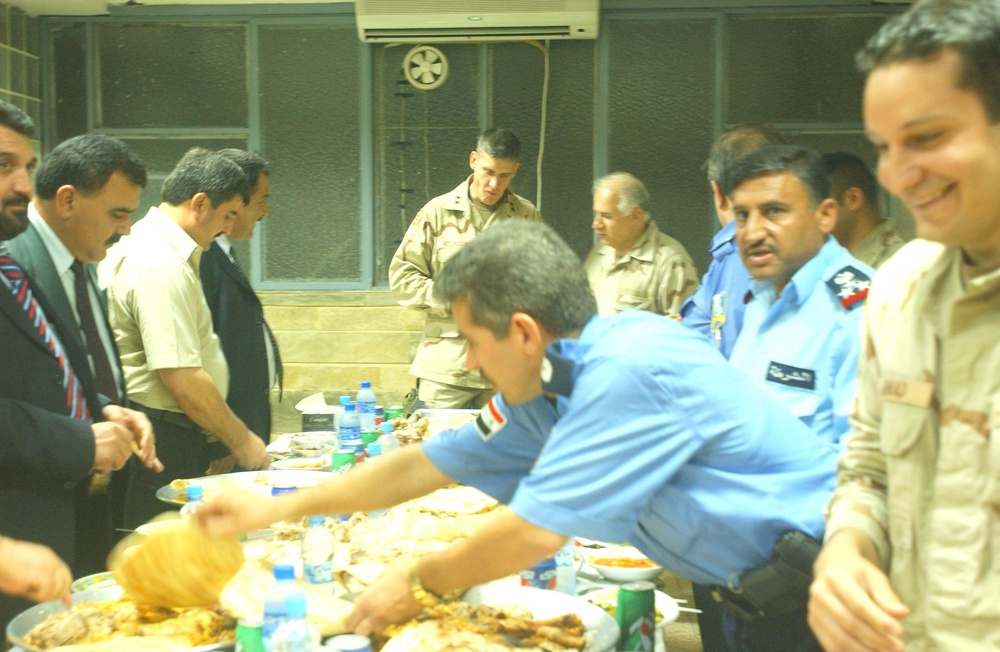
<point>374,449</point>
<point>366,384</point>
<point>344,399</point>
<point>193,492</point>
<point>349,407</point>
<point>295,605</point>
<point>386,427</point>
<point>317,520</point>
<point>284,572</point>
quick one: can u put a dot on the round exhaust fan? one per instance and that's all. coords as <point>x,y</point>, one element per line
<point>425,67</point>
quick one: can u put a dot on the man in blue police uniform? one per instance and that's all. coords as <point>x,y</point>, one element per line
<point>802,327</point>
<point>716,308</point>
<point>591,436</point>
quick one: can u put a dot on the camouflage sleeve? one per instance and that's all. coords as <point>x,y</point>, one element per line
<point>411,270</point>
<point>860,499</point>
<point>678,280</point>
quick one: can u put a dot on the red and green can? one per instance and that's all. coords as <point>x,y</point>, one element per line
<point>636,616</point>
<point>248,634</point>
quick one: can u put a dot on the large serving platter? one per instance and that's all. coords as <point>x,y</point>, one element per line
<point>261,481</point>
<point>602,629</point>
<point>24,622</point>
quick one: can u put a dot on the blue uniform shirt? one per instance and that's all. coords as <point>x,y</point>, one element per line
<point>716,309</point>
<point>802,347</point>
<point>675,452</point>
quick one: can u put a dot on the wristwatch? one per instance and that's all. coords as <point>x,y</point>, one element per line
<point>424,597</point>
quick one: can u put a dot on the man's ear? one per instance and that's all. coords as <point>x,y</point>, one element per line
<point>826,215</point>
<point>721,201</point>
<point>853,199</point>
<point>526,331</point>
<point>199,204</point>
<point>65,200</point>
<point>472,159</point>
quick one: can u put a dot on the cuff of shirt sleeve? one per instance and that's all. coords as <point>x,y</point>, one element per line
<point>872,528</point>
<point>567,522</point>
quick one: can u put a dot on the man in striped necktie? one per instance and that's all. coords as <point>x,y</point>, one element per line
<point>55,430</point>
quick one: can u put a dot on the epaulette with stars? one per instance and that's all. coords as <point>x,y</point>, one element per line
<point>850,286</point>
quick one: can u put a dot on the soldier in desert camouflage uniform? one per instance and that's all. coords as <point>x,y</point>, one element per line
<point>913,538</point>
<point>439,231</point>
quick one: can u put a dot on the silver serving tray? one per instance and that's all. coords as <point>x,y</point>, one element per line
<point>24,622</point>
<point>297,477</point>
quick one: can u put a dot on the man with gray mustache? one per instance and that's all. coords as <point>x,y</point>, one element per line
<point>802,326</point>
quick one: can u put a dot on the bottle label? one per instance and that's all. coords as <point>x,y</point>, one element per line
<point>318,573</point>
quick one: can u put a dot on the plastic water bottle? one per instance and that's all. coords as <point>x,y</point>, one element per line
<point>387,440</point>
<point>366,406</point>
<point>317,551</point>
<point>274,602</point>
<point>566,568</point>
<point>194,495</point>
<point>293,634</point>
<point>350,428</point>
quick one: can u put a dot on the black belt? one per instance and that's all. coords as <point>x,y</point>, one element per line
<point>174,418</point>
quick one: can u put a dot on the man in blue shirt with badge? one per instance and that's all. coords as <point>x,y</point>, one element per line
<point>590,435</point>
<point>802,326</point>
<point>716,308</point>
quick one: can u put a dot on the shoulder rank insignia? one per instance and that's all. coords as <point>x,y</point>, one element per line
<point>850,286</point>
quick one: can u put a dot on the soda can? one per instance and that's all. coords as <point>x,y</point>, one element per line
<point>348,643</point>
<point>278,489</point>
<point>248,634</point>
<point>393,411</point>
<point>343,459</point>
<point>540,576</point>
<point>636,615</point>
<point>379,415</point>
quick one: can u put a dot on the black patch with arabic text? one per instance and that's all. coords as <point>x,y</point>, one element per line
<point>784,374</point>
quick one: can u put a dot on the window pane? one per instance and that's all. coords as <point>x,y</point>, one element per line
<point>661,97</point>
<point>309,127</point>
<point>70,80</point>
<point>172,75</point>
<point>795,68</point>
<point>422,141</point>
<point>567,165</point>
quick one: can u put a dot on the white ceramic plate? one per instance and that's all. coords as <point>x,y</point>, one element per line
<point>602,630</point>
<point>666,605</point>
<point>303,463</point>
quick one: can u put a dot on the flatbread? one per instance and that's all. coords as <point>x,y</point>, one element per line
<point>177,565</point>
<point>435,636</point>
<point>127,644</point>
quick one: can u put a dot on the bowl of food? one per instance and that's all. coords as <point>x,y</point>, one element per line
<point>310,450</point>
<point>626,565</point>
<point>317,438</point>
<point>95,581</point>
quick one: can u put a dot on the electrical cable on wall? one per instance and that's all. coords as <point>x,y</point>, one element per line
<point>541,135</point>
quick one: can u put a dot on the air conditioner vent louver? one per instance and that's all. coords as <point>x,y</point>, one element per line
<point>405,21</point>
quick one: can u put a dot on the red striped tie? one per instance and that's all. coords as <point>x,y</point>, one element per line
<point>75,400</point>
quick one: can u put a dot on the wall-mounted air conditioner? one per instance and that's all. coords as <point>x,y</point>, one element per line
<point>437,21</point>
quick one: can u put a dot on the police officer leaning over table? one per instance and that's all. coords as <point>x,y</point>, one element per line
<point>592,436</point>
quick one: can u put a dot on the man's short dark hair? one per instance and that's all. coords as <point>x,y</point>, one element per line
<point>519,265</point>
<point>969,27</point>
<point>253,165</point>
<point>804,163</point>
<point>17,120</point>
<point>737,143</point>
<point>212,173</point>
<point>86,163</point>
<point>847,170</point>
<point>501,144</point>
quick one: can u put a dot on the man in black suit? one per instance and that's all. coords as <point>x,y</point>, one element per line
<point>55,430</point>
<point>86,190</point>
<point>237,315</point>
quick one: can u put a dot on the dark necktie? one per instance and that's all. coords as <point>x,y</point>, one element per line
<point>75,400</point>
<point>278,370</point>
<point>103,375</point>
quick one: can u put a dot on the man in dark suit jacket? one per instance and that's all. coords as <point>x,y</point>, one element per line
<point>86,190</point>
<point>237,315</point>
<point>47,455</point>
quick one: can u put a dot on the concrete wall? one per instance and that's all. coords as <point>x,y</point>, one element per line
<point>331,341</point>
